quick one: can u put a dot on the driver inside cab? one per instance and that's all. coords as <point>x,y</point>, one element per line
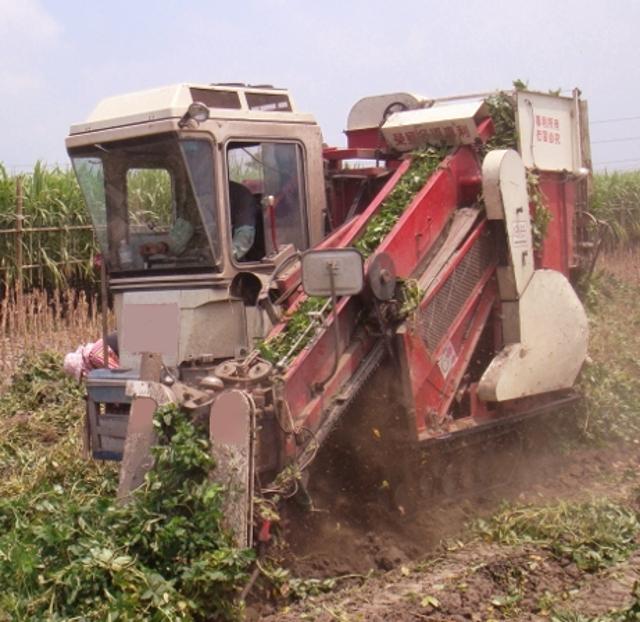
<point>244,217</point>
<point>175,244</point>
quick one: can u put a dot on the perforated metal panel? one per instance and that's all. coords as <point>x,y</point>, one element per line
<point>433,320</point>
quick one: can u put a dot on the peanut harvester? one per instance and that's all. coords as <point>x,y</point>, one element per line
<point>259,277</point>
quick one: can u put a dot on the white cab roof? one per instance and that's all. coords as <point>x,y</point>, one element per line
<point>224,101</point>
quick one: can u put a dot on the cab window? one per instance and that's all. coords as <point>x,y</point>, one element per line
<point>266,198</point>
<point>150,199</point>
<point>152,202</point>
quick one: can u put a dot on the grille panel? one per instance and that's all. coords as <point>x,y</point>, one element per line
<point>433,320</point>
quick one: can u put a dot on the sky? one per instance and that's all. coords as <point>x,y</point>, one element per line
<point>59,58</point>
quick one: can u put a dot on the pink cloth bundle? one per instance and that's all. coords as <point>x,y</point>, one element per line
<point>87,357</point>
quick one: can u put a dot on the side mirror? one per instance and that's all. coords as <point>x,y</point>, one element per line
<point>332,272</point>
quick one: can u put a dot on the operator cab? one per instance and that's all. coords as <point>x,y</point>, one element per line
<point>173,194</point>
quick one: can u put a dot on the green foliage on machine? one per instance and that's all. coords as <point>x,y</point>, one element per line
<point>541,216</point>
<point>503,113</point>
<point>423,163</point>
<point>298,331</point>
<point>501,107</point>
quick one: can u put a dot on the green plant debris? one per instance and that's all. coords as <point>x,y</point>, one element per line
<point>520,85</point>
<point>39,416</point>
<point>542,215</point>
<point>610,380</point>
<point>300,321</point>
<point>411,295</point>
<point>502,111</point>
<point>592,534</point>
<point>423,163</point>
<point>297,588</point>
<point>67,551</point>
<point>612,410</point>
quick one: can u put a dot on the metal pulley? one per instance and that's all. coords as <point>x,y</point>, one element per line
<point>259,371</point>
<point>240,372</point>
<point>382,276</point>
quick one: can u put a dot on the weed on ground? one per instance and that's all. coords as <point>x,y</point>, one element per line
<point>68,551</point>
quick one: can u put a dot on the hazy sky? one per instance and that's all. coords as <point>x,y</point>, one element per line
<point>59,58</point>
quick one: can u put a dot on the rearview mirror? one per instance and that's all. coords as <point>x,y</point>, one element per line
<point>334,271</point>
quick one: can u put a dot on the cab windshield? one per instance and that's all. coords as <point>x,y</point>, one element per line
<point>151,202</point>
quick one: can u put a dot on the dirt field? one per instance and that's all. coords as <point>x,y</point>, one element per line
<point>552,534</point>
<point>539,522</point>
<point>464,577</point>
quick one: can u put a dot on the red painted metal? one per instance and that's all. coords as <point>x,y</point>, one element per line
<point>360,223</point>
<point>486,129</point>
<point>438,380</point>
<point>429,387</point>
<point>434,397</point>
<point>433,375</point>
<point>408,243</point>
<point>370,138</point>
<point>559,195</point>
<point>418,227</point>
<point>478,410</point>
<point>351,189</point>
<point>470,188</point>
<point>264,535</point>
<point>333,154</point>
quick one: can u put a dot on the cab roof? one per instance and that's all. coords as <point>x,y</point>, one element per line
<point>225,101</point>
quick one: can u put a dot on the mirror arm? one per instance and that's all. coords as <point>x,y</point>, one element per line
<point>319,386</point>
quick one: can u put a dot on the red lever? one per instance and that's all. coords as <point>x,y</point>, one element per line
<point>265,531</point>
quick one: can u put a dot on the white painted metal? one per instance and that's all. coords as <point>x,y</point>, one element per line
<point>451,124</point>
<point>552,347</point>
<point>172,102</point>
<point>548,132</point>
<point>231,433</point>
<point>345,264</point>
<point>179,324</point>
<point>544,324</point>
<point>504,186</point>
<point>369,112</point>
<point>146,397</point>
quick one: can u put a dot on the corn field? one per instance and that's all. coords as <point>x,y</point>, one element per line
<point>616,201</point>
<point>50,243</point>
<point>45,235</point>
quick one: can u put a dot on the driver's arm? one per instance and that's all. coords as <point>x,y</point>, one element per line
<point>176,242</point>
